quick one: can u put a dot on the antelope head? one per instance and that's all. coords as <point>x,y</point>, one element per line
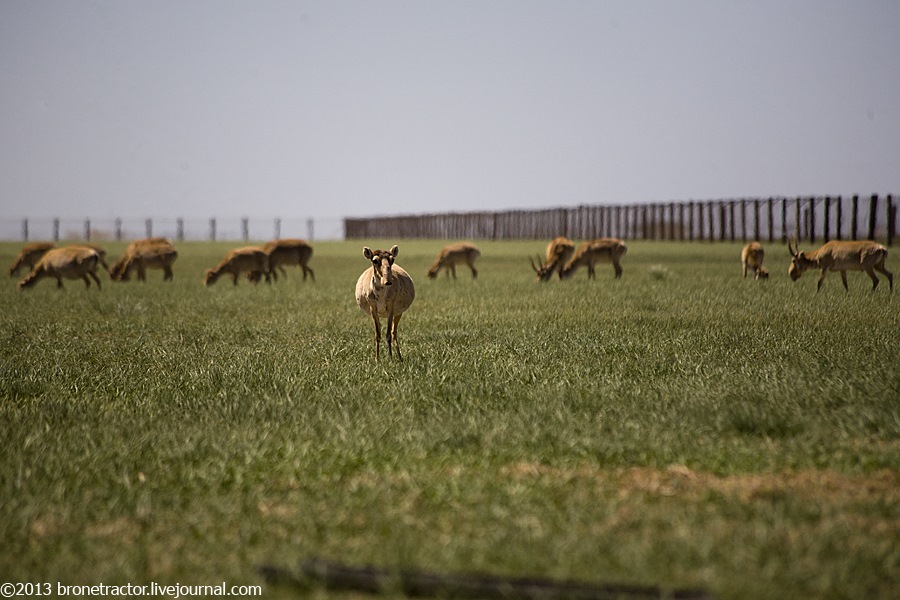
<point>433,271</point>
<point>382,261</point>
<point>543,272</point>
<point>799,262</point>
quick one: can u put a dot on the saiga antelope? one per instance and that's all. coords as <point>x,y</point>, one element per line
<point>600,250</point>
<point>30,256</point>
<point>385,290</point>
<point>154,253</point>
<point>70,262</point>
<point>559,251</point>
<point>289,252</point>
<point>240,260</point>
<point>841,256</point>
<point>455,254</point>
<point>752,256</point>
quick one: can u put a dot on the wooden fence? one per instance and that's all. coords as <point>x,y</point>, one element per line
<point>808,218</point>
<point>178,229</point>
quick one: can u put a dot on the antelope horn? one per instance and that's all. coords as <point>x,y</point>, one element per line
<point>533,268</point>
<point>790,249</point>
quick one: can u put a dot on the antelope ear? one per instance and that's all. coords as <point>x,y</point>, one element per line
<point>395,250</point>
<point>367,252</point>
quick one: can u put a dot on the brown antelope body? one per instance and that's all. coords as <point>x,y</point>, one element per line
<point>559,251</point>
<point>149,253</point>
<point>29,256</point>
<point>841,256</point>
<point>752,256</point>
<point>601,250</point>
<point>289,252</point>
<point>250,259</point>
<point>385,290</point>
<point>455,254</point>
<point>69,262</point>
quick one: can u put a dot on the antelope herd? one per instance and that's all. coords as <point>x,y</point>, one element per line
<point>385,290</point>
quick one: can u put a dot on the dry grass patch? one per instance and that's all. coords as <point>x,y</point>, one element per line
<point>679,480</point>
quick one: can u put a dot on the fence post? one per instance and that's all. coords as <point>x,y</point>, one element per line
<point>722,221</point>
<point>839,218</point>
<point>25,229</point>
<point>148,225</point>
<point>891,220</point>
<point>277,228</point>
<point>309,229</point>
<point>771,206</point>
<point>56,229</point>
<point>179,229</point>
<point>784,231</point>
<point>245,229</point>
<point>118,229</point>
<point>644,222</point>
<point>826,233</point>
<point>854,222</point>
<point>87,229</point>
<point>212,229</point>
<point>691,221</point>
<point>812,220</point>
<point>873,208</point>
<point>743,219</point>
<point>731,220</point>
<point>797,224</point>
<point>756,228</point>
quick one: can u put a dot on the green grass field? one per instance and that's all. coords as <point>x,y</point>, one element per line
<point>681,427</point>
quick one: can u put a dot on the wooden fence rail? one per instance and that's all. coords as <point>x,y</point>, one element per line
<point>813,218</point>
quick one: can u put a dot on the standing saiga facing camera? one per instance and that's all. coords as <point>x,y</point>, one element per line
<point>385,290</point>
<point>841,256</point>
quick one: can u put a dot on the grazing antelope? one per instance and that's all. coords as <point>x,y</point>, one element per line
<point>249,259</point>
<point>153,253</point>
<point>70,262</point>
<point>455,254</point>
<point>752,256</point>
<point>29,256</point>
<point>559,251</point>
<point>384,290</point>
<point>841,256</point>
<point>289,252</point>
<point>600,250</point>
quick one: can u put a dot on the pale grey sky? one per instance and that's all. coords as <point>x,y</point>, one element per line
<point>326,109</point>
